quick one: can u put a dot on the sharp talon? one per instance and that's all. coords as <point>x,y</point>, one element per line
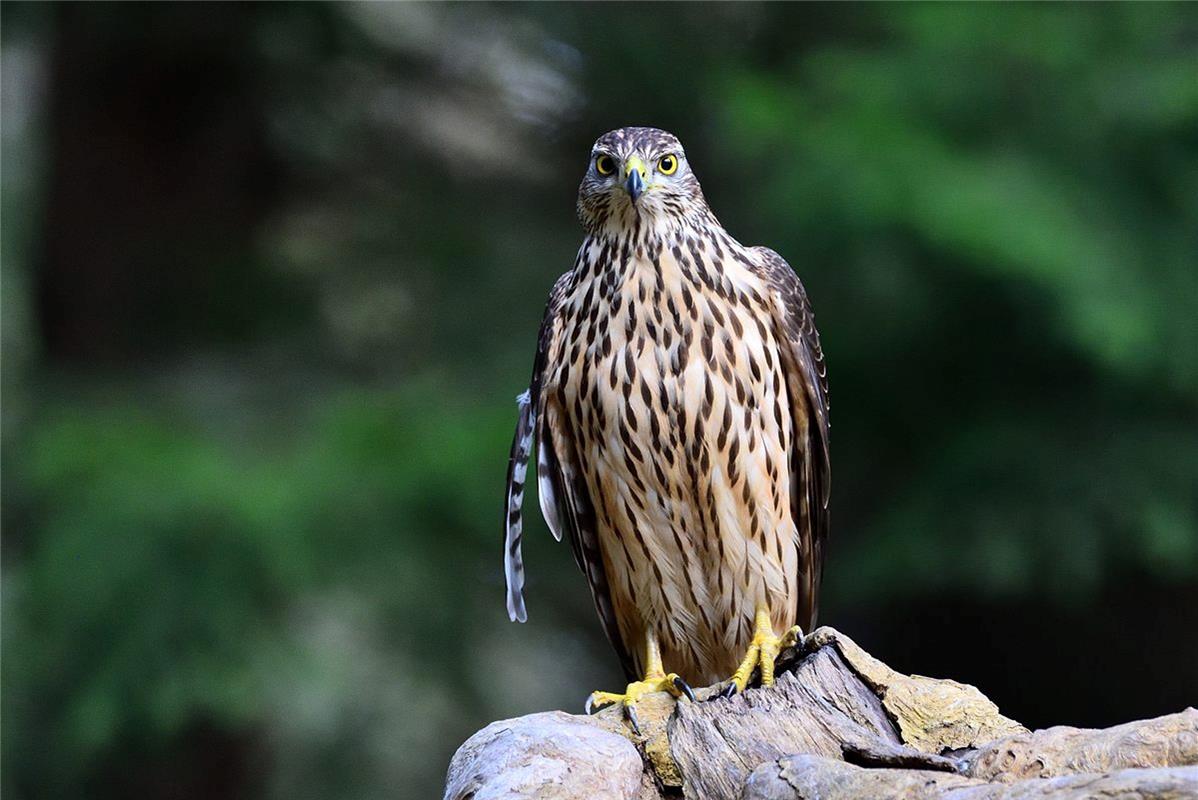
<point>592,705</point>
<point>685,688</point>
<point>632,719</point>
<point>793,638</point>
<point>729,690</point>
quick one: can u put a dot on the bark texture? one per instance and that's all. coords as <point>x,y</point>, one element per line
<point>837,724</point>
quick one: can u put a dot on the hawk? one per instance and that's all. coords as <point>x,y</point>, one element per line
<point>679,404</point>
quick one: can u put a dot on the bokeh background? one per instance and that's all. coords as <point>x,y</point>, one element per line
<point>271,281</point>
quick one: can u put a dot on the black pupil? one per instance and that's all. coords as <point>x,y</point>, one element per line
<point>604,164</point>
<point>667,163</point>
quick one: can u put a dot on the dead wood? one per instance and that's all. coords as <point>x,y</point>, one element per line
<point>837,724</point>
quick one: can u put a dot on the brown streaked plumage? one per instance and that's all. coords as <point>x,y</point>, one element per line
<point>680,408</point>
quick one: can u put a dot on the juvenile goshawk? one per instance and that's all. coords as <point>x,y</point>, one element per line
<point>680,407</point>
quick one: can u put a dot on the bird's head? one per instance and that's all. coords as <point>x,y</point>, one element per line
<point>637,173</point>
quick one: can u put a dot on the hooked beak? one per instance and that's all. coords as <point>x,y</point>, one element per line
<point>634,178</point>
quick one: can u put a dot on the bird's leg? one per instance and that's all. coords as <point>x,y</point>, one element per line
<point>762,652</point>
<point>656,680</point>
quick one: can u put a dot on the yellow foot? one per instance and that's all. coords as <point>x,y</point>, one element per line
<point>658,682</point>
<point>763,651</point>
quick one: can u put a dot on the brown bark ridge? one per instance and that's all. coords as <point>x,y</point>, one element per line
<point>837,724</point>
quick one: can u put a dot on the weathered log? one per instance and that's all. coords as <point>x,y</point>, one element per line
<point>837,724</point>
<point>804,776</point>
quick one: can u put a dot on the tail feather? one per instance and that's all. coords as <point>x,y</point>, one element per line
<point>513,561</point>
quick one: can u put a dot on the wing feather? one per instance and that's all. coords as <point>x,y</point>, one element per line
<point>564,497</point>
<point>810,465</point>
<point>576,509</point>
<point>529,403</point>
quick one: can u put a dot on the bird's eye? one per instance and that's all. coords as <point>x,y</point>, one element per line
<point>604,164</point>
<point>667,165</point>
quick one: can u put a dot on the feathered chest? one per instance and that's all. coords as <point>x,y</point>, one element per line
<point>663,350</point>
<point>667,389</point>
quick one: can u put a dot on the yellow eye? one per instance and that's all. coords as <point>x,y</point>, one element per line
<point>604,164</point>
<point>667,165</point>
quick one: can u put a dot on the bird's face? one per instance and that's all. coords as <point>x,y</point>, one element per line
<point>636,172</point>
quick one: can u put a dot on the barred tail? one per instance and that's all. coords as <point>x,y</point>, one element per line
<point>513,562</point>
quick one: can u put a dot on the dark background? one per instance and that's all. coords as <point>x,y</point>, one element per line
<point>271,281</point>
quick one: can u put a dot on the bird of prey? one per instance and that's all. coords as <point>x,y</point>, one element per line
<point>679,404</point>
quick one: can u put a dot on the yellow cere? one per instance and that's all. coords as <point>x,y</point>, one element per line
<point>634,162</point>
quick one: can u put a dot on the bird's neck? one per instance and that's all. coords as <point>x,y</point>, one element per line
<point>696,250</point>
<point>649,231</point>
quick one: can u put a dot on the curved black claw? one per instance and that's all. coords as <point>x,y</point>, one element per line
<point>729,690</point>
<point>684,687</point>
<point>591,708</point>
<point>630,711</point>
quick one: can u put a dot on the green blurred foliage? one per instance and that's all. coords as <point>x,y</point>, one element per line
<point>251,511</point>
<point>169,562</point>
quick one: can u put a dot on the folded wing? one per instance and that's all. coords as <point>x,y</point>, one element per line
<point>810,466</point>
<point>565,499</point>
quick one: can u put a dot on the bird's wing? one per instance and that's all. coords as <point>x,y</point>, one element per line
<point>565,499</point>
<point>563,488</point>
<point>810,468</point>
<point>517,469</point>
